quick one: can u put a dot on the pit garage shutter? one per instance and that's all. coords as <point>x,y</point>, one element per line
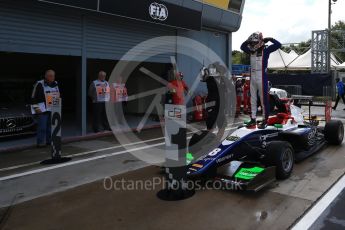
<point>29,26</point>
<point>33,27</point>
<point>110,37</point>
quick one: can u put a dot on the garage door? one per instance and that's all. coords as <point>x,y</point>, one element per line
<point>36,27</point>
<point>32,27</point>
<point>111,37</point>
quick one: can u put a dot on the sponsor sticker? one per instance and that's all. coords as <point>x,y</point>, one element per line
<point>233,138</point>
<point>197,166</point>
<point>248,173</point>
<point>225,158</point>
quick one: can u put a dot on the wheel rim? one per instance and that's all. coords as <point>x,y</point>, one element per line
<point>287,160</point>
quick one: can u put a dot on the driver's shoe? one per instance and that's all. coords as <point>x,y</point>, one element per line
<point>251,123</point>
<point>263,124</point>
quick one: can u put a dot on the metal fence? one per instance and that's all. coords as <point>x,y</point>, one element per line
<point>328,91</point>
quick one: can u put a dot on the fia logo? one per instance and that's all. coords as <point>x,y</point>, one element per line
<point>158,11</point>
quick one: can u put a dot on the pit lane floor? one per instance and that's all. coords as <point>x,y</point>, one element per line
<point>91,206</point>
<point>327,212</point>
<point>333,217</point>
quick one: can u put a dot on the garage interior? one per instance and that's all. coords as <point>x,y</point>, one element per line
<point>20,71</point>
<point>78,43</point>
<point>136,83</point>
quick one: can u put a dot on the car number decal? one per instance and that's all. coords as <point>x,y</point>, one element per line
<point>214,152</point>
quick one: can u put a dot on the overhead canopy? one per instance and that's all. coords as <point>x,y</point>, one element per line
<point>281,59</point>
<point>293,53</point>
<point>301,62</point>
<point>341,66</point>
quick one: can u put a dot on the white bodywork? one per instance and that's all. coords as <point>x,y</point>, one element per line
<point>280,92</point>
<point>296,113</point>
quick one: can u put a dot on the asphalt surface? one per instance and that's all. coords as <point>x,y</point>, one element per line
<point>77,195</point>
<point>333,217</point>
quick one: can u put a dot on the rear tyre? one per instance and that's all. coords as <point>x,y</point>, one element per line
<point>334,132</point>
<point>281,155</point>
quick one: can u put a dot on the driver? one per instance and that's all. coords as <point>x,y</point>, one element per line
<point>259,55</point>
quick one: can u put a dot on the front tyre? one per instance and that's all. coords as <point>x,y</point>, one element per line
<point>281,155</point>
<point>334,132</point>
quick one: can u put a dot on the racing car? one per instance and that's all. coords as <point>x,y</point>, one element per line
<point>251,158</point>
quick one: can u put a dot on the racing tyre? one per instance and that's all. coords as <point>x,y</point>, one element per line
<point>334,132</point>
<point>281,155</point>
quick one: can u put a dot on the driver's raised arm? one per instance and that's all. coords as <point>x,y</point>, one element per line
<point>245,48</point>
<point>275,44</point>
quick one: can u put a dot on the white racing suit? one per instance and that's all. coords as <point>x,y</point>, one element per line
<point>258,80</point>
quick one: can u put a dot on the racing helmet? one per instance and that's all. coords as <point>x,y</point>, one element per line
<point>255,41</point>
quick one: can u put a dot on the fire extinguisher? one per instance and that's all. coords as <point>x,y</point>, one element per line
<point>198,113</point>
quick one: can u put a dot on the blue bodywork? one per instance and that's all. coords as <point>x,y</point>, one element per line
<point>247,148</point>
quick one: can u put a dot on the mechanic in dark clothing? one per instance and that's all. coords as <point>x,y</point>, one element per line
<point>215,109</point>
<point>341,93</point>
<point>43,94</point>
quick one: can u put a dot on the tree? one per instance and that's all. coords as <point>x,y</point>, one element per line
<point>239,57</point>
<point>338,39</point>
<point>300,48</point>
<point>338,42</point>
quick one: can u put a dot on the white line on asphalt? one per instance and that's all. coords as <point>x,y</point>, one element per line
<point>79,161</point>
<point>313,214</point>
<point>19,166</point>
<point>114,147</point>
<point>82,154</point>
<point>94,151</point>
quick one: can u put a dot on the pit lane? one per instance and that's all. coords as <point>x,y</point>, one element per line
<point>83,202</point>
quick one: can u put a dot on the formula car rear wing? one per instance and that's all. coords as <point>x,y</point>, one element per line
<point>313,101</point>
